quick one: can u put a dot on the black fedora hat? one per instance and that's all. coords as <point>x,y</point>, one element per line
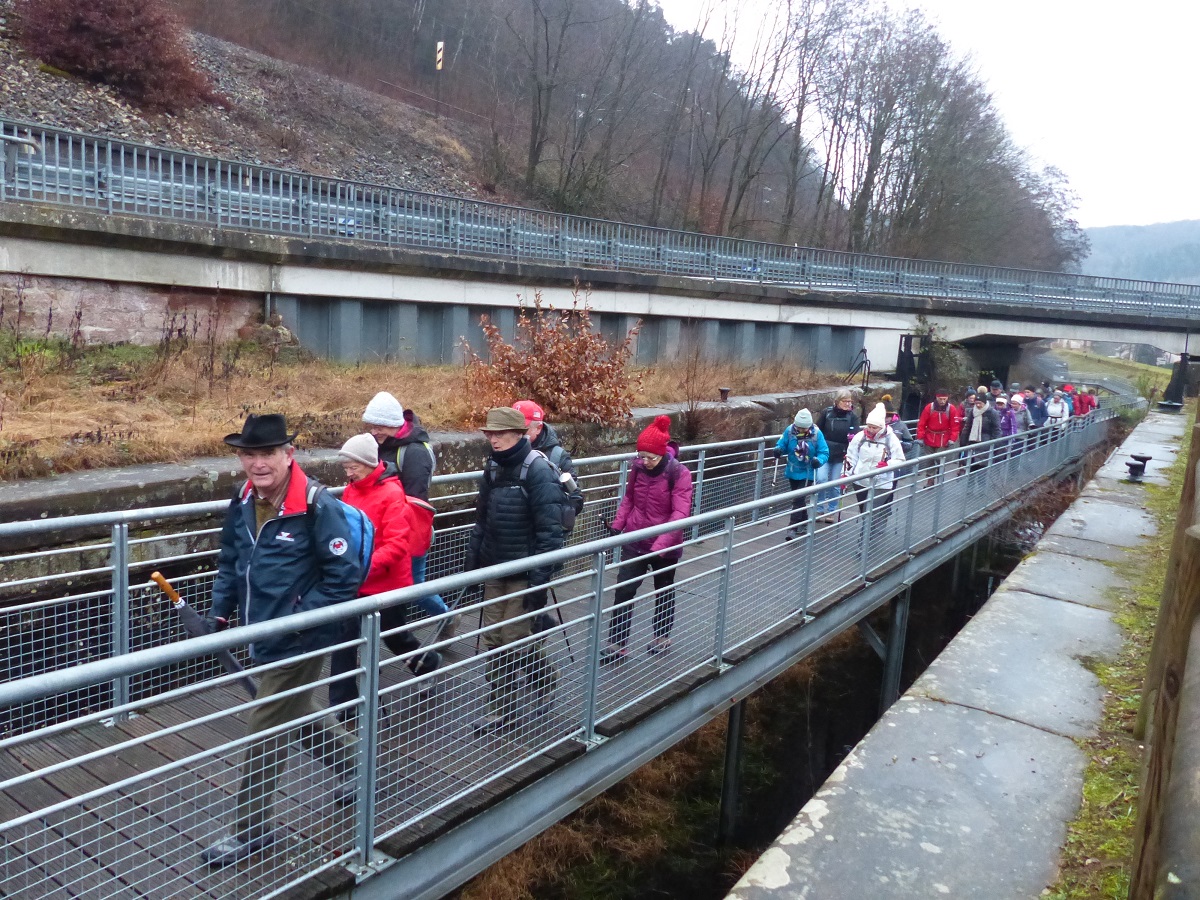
<point>261,433</point>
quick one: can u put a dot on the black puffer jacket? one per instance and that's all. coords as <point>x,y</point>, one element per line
<point>838,426</point>
<point>546,442</point>
<point>418,458</point>
<point>515,519</point>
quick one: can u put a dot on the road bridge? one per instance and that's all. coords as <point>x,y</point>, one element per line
<point>360,271</point>
<point>120,743</point>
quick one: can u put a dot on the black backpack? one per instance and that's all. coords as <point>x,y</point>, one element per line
<point>572,500</point>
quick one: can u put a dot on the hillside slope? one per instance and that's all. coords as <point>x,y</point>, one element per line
<point>1167,251</point>
<point>279,114</point>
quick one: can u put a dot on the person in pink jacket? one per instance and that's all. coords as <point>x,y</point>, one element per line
<point>658,490</point>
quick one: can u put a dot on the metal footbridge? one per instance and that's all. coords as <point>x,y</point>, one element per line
<point>41,165</point>
<point>120,742</point>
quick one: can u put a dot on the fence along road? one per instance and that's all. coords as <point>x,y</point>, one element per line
<point>115,772</point>
<point>46,165</point>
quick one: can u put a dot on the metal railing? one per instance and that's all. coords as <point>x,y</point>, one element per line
<point>103,795</point>
<point>52,166</point>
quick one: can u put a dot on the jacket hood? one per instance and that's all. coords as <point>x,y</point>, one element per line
<point>548,439</point>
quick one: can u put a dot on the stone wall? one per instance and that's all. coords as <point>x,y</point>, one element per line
<point>114,312</point>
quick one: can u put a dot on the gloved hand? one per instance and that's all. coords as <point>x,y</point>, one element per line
<point>534,600</point>
<point>471,562</point>
<point>215,623</point>
<point>778,453</point>
<point>608,526</point>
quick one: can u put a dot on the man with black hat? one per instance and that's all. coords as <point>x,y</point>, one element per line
<point>519,513</point>
<point>285,548</point>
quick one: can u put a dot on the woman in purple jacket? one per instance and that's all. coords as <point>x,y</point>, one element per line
<point>658,490</point>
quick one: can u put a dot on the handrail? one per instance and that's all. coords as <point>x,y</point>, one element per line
<point>124,178</point>
<point>405,724</point>
<point>103,670</point>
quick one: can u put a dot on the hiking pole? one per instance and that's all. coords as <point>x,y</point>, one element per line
<point>195,626</point>
<point>775,473</point>
<point>570,652</point>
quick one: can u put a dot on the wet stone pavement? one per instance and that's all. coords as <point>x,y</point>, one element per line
<point>965,787</point>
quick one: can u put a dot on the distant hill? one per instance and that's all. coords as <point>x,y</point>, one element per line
<point>1168,251</point>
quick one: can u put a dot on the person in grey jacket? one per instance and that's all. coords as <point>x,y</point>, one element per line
<point>285,548</point>
<point>518,514</point>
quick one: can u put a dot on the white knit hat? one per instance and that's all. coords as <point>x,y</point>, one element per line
<point>362,448</point>
<point>384,409</point>
<point>803,419</point>
<point>877,416</point>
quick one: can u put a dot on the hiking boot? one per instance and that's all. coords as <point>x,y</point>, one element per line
<point>450,629</point>
<point>659,645</point>
<point>613,654</point>
<point>231,849</point>
<point>792,534</point>
<point>346,791</point>
<point>425,663</point>
<point>490,724</point>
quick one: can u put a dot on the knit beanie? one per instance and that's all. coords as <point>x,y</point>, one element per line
<point>878,416</point>
<point>803,420</point>
<point>362,448</point>
<point>384,409</point>
<point>655,437</point>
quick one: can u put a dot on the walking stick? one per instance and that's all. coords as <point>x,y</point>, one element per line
<point>195,626</point>
<point>558,611</point>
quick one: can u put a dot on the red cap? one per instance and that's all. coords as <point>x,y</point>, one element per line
<point>655,437</point>
<point>1067,388</point>
<point>530,410</point>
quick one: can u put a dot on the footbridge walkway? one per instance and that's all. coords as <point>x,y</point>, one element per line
<point>120,742</point>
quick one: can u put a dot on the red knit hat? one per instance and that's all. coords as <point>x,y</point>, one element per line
<point>654,438</point>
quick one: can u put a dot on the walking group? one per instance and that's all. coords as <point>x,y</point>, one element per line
<point>837,444</point>
<point>288,546</point>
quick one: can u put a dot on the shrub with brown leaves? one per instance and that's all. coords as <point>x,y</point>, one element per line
<point>137,46</point>
<point>557,360</point>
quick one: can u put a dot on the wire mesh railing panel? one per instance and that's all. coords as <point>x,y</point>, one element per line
<point>661,633</point>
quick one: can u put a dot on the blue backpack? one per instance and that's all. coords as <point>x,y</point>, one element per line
<point>362,529</point>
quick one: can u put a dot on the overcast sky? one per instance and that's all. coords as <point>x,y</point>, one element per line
<point>1103,90</point>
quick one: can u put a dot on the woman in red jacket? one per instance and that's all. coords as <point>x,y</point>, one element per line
<point>398,536</point>
<point>658,490</point>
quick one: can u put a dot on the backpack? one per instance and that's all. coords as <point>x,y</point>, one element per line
<point>673,468</point>
<point>362,529</point>
<point>420,515</point>
<point>568,511</point>
<point>404,447</point>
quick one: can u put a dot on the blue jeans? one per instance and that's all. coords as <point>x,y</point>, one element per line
<point>827,499</point>
<point>432,605</point>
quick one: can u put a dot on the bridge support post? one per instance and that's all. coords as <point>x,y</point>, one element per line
<point>119,559</point>
<point>894,659</point>
<point>731,783</point>
<point>368,741</point>
<point>723,592</point>
<point>593,671</point>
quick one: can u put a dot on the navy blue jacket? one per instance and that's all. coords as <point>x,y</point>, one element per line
<point>298,562</point>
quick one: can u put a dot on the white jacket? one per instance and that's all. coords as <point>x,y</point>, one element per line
<point>1057,411</point>
<point>866,455</point>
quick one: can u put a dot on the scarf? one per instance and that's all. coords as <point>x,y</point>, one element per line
<point>976,434</point>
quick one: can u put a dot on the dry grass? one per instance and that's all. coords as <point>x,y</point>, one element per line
<point>669,383</point>
<point>124,405</point>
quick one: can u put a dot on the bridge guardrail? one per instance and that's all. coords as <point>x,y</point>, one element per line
<point>47,165</point>
<point>170,756</point>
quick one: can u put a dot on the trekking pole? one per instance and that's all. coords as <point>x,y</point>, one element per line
<point>775,473</point>
<point>566,638</point>
<point>195,626</point>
